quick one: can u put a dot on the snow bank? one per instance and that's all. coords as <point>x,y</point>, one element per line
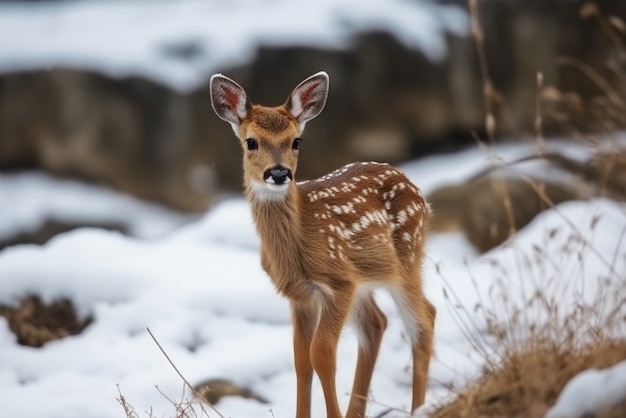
<point>28,199</point>
<point>591,392</point>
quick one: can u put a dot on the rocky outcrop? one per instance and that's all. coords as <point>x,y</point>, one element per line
<point>130,134</point>
<point>387,103</point>
<point>493,205</point>
<point>489,210</point>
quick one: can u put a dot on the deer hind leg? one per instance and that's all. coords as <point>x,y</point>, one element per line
<point>422,352</point>
<point>304,323</point>
<point>370,324</point>
<point>418,315</point>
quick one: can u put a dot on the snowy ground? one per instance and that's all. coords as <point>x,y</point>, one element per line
<point>201,291</point>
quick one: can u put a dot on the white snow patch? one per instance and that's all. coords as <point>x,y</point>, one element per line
<point>591,392</point>
<point>28,199</point>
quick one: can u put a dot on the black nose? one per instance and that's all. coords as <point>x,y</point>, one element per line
<point>278,175</point>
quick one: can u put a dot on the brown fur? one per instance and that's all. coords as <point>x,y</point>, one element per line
<point>327,243</point>
<point>272,120</point>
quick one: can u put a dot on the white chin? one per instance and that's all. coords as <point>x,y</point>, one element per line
<point>277,187</point>
<point>269,191</point>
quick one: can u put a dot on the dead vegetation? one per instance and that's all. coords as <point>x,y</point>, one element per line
<point>529,379</point>
<point>186,406</point>
<point>538,331</point>
<point>532,347</point>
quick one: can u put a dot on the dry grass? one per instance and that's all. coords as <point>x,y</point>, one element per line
<point>534,343</point>
<point>547,321</point>
<point>187,406</point>
<point>529,379</point>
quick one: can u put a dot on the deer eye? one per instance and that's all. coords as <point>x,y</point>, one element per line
<point>251,144</point>
<point>296,144</point>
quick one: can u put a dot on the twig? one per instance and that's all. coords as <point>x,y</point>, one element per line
<point>195,392</point>
<point>128,409</point>
<point>386,411</point>
<point>539,115</point>
<point>488,89</point>
<point>598,79</point>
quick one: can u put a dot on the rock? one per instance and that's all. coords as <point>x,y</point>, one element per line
<point>35,322</point>
<point>215,389</point>
<point>479,207</point>
<point>131,134</point>
<point>606,171</point>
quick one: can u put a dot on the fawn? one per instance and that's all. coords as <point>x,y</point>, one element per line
<point>328,243</point>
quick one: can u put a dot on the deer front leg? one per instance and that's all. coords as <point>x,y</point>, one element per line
<point>370,324</point>
<point>304,323</point>
<point>324,351</point>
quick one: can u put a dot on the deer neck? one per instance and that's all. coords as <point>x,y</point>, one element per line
<point>278,223</point>
<point>277,220</point>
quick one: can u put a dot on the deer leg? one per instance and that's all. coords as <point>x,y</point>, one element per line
<point>370,324</point>
<point>303,325</point>
<point>324,351</point>
<point>418,315</point>
<point>422,351</point>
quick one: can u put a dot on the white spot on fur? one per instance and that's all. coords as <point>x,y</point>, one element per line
<point>401,217</point>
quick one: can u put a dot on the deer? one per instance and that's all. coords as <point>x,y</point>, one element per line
<point>327,244</point>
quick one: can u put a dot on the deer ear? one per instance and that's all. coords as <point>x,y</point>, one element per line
<point>229,100</point>
<point>308,99</point>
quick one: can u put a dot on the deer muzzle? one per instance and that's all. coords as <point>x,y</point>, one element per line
<point>278,175</point>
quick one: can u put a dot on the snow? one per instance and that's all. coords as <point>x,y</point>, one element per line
<point>36,198</point>
<point>591,392</point>
<point>181,43</point>
<point>200,289</point>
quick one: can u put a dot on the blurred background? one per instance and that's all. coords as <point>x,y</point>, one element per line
<point>116,92</point>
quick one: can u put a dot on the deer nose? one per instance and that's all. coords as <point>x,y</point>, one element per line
<point>277,175</point>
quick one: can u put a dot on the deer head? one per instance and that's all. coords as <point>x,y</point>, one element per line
<point>270,136</point>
